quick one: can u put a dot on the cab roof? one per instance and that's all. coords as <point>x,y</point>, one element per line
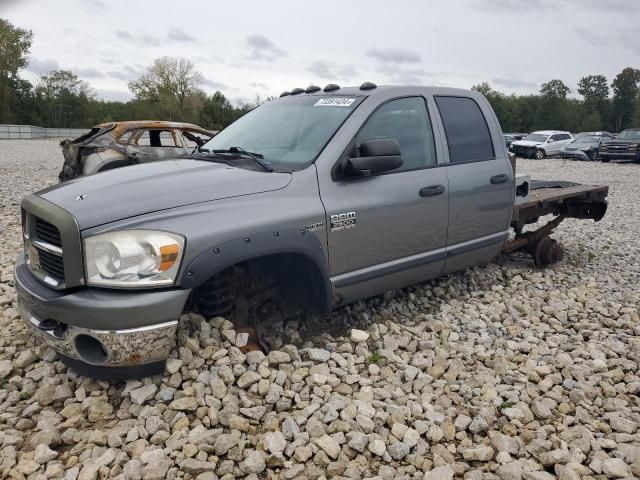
<point>382,91</point>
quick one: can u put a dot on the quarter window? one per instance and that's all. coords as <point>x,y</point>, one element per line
<point>466,129</point>
<point>406,120</point>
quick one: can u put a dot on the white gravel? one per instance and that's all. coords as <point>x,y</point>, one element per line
<point>501,372</point>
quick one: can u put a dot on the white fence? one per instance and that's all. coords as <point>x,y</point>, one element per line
<point>8,132</point>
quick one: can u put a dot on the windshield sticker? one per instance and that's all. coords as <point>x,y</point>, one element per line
<point>334,102</point>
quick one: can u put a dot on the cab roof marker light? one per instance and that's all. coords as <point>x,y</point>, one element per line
<point>312,89</point>
<point>285,94</point>
<point>368,86</point>
<point>331,87</point>
<point>297,91</point>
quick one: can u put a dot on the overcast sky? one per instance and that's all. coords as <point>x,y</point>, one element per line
<point>244,48</point>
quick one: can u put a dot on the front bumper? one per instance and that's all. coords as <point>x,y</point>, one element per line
<point>100,327</point>
<point>620,155</point>
<point>574,155</point>
<point>523,152</point>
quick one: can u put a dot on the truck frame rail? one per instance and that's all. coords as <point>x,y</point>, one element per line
<point>561,199</point>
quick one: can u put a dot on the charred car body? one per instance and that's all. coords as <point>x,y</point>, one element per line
<point>307,203</point>
<point>120,144</point>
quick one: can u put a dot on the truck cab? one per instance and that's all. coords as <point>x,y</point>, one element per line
<point>307,203</point>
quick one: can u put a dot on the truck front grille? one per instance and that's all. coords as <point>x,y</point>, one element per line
<point>43,244</point>
<point>52,264</point>
<point>52,243</point>
<point>47,233</point>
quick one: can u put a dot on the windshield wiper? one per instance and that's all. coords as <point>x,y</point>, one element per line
<point>256,157</point>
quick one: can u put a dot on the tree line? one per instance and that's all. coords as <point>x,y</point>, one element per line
<point>601,108</point>
<point>171,89</point>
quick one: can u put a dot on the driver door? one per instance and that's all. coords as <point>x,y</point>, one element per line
<point>389,230</point>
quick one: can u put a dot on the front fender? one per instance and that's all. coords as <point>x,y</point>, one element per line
<point>285,241</point>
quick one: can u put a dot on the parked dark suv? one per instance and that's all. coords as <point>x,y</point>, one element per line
<point>625,147</point>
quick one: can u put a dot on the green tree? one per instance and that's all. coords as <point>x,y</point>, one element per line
<point>14,49</point>
<point>552,103</point>
<point>555,89</point>
<point>169,80</point>
<point>594,89</point>
<point>595,107</point>
<point>625,91</point>
<point>636,113</point>
<point>217,112</point>
<point>591,122</point>
<point>64,99</point>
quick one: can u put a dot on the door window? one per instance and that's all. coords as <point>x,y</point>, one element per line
<point>156,138</point>
<point>466,130</point>
<point>406,120</point>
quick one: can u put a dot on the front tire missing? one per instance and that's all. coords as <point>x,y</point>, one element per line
<point>262,293</point>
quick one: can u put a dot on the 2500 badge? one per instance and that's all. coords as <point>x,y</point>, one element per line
<point>343,221</point>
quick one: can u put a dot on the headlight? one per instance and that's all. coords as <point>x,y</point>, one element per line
<point>133,258</point>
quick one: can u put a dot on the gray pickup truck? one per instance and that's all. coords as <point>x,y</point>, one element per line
<point>307,203</point>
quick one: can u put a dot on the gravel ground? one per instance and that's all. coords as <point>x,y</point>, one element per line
<point>501,372</point>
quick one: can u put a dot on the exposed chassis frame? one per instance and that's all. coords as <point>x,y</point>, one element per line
<point>577,201</point>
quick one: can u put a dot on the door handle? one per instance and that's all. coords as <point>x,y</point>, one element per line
<point>431,191</point>
<point>502,178</point>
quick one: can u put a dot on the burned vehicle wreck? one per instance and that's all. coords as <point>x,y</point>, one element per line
<point>120,144</point>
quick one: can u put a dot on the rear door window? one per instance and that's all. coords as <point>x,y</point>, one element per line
<point>466,130</point>
<point>155,138</point>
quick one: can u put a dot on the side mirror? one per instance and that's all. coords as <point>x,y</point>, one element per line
<point>551,140</point>
<point>376,156</point>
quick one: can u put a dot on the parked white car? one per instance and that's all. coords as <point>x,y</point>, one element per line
<point>541,144</point>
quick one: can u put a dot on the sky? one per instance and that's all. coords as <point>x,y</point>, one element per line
<point>246,48</point>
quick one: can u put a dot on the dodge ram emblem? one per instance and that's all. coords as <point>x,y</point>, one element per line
<point>81,197</point>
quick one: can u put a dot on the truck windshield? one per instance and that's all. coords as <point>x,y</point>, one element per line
<point>630,135</point>
<point>289,132</point>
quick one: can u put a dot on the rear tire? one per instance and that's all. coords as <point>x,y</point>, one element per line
<point>539,154</point>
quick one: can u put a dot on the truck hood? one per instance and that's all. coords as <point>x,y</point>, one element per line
<point>128,192</point>
<point>526,143</point>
